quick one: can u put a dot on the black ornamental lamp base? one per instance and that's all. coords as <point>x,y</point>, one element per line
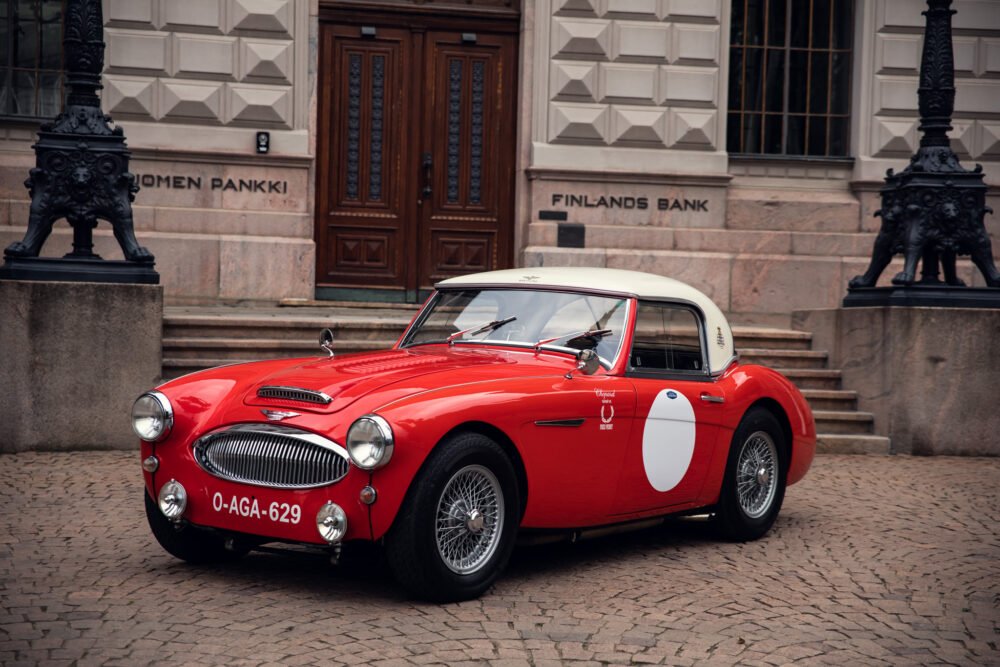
<point>923,296</point>
<point>76,270</point>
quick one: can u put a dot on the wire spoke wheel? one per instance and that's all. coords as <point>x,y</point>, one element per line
<point>469,519</point>
<point>757,474</point>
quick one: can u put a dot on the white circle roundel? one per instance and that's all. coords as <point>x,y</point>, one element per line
<point>668,439</point>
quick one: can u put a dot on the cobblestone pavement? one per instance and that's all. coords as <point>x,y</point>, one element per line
<point>874,560</point>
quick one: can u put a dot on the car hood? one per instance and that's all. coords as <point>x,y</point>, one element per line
<point>396,372</point>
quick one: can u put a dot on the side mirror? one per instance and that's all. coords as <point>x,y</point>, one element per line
<point>587,362</point>
<point>326,341</point>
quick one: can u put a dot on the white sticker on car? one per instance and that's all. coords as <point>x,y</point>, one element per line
<point>668,439</point>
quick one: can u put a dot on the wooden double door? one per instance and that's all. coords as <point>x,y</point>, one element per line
<point>415,172</point>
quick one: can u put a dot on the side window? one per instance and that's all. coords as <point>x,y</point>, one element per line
<point>666,338</point>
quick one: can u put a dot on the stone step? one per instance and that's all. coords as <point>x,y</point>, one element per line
<point>843,422</point>
<point>734,241</point>
<point>764,338</point>
<point>831,399</point>
<point>261,348</point>
<point>812,378</point>
<point>829,443</point>
<point>776,358</point>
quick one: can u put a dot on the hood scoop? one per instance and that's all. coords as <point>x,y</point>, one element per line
<point>295,394</point>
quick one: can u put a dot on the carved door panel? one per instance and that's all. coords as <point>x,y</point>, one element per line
<point>468,152</point>
<point>415,157</point>
<point>363,206</point>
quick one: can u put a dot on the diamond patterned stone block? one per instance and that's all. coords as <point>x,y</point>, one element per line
<point>695,43</point>
<point>686,86</point>
<point>133,11</point>
<point>640,9</point>
<point>638,125</point>
<point>266,59</point>
<point>578,123</point>
<point>190,100</point>
<point>574,79</point>
<point>128,94</point>
<point>894,135</point>
<point>710,9</point>
<point>989,141</point>
<point>185,14</point>
<point>265,15</point>
<point>578,7</point>
<point>630,83</point>
<point>580,39</point>
<point>635,40</point>
<point>261,104</point>
<point>693,129</point>
<point>962,137</point>
<point>203,55</point>
<point>136,49</point>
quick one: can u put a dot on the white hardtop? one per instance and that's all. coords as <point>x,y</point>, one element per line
<point>618,282</point>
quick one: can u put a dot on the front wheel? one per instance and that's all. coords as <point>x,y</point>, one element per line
<point>754,484</point>
<point>455,532</point>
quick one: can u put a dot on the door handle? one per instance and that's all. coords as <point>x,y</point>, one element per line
<point>709,398</point>
<point>428,164</point>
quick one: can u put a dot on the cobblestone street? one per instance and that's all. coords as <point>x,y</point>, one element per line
<point>874,560</point>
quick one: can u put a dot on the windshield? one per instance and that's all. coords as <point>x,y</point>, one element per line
<point>528,316</point>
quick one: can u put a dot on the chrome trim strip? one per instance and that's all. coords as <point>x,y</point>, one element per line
<point>578,421</point>
<point>294,394</point>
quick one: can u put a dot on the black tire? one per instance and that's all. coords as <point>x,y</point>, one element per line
<point>187,542</point>
<point>758,432</point>
<point>412,545</point>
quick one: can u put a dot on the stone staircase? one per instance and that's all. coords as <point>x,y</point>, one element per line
<point>196,338</point>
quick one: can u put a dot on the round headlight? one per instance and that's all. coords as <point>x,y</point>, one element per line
<point>152,416</point>
<point>369,442</point>
<point>331,522</point>
<point>173,500</point>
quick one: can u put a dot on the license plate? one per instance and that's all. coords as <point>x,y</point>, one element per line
<point>251,508</point>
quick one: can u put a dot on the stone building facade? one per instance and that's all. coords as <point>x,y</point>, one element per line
<point>409,141</point>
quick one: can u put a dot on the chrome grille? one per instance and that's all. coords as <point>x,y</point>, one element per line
<point>273,456</point>
<point>294,394</point>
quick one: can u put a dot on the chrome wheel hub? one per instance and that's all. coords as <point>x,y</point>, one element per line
<point>756,474</point>
<point>469,519</point>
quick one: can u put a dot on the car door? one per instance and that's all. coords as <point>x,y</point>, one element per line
<point>678,411</point>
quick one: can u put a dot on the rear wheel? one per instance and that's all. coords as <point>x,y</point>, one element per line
<point>754,485</point>
<point>187,542</point>
<point>455,532</point>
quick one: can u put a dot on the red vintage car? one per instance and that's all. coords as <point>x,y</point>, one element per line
<point>541,399</point>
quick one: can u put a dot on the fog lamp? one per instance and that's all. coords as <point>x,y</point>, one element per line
<point>152,416</point>
<point>331,522</point>
<point>173,500</point>
<point>370,442</point>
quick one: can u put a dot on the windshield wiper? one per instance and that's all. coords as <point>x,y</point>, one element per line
<point>593,335</point>
<point>476,330</point>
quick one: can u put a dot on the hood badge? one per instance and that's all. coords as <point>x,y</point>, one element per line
<point>326,341</point>
<point>278,415</point>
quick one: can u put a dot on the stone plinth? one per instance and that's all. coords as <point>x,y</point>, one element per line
<point>929,375</point>
<point>73,358</point>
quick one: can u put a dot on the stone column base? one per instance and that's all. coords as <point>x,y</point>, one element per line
<point>929,375</point>
<point>73,358</point>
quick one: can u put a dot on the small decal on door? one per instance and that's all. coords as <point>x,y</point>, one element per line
<point>607,408</point>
